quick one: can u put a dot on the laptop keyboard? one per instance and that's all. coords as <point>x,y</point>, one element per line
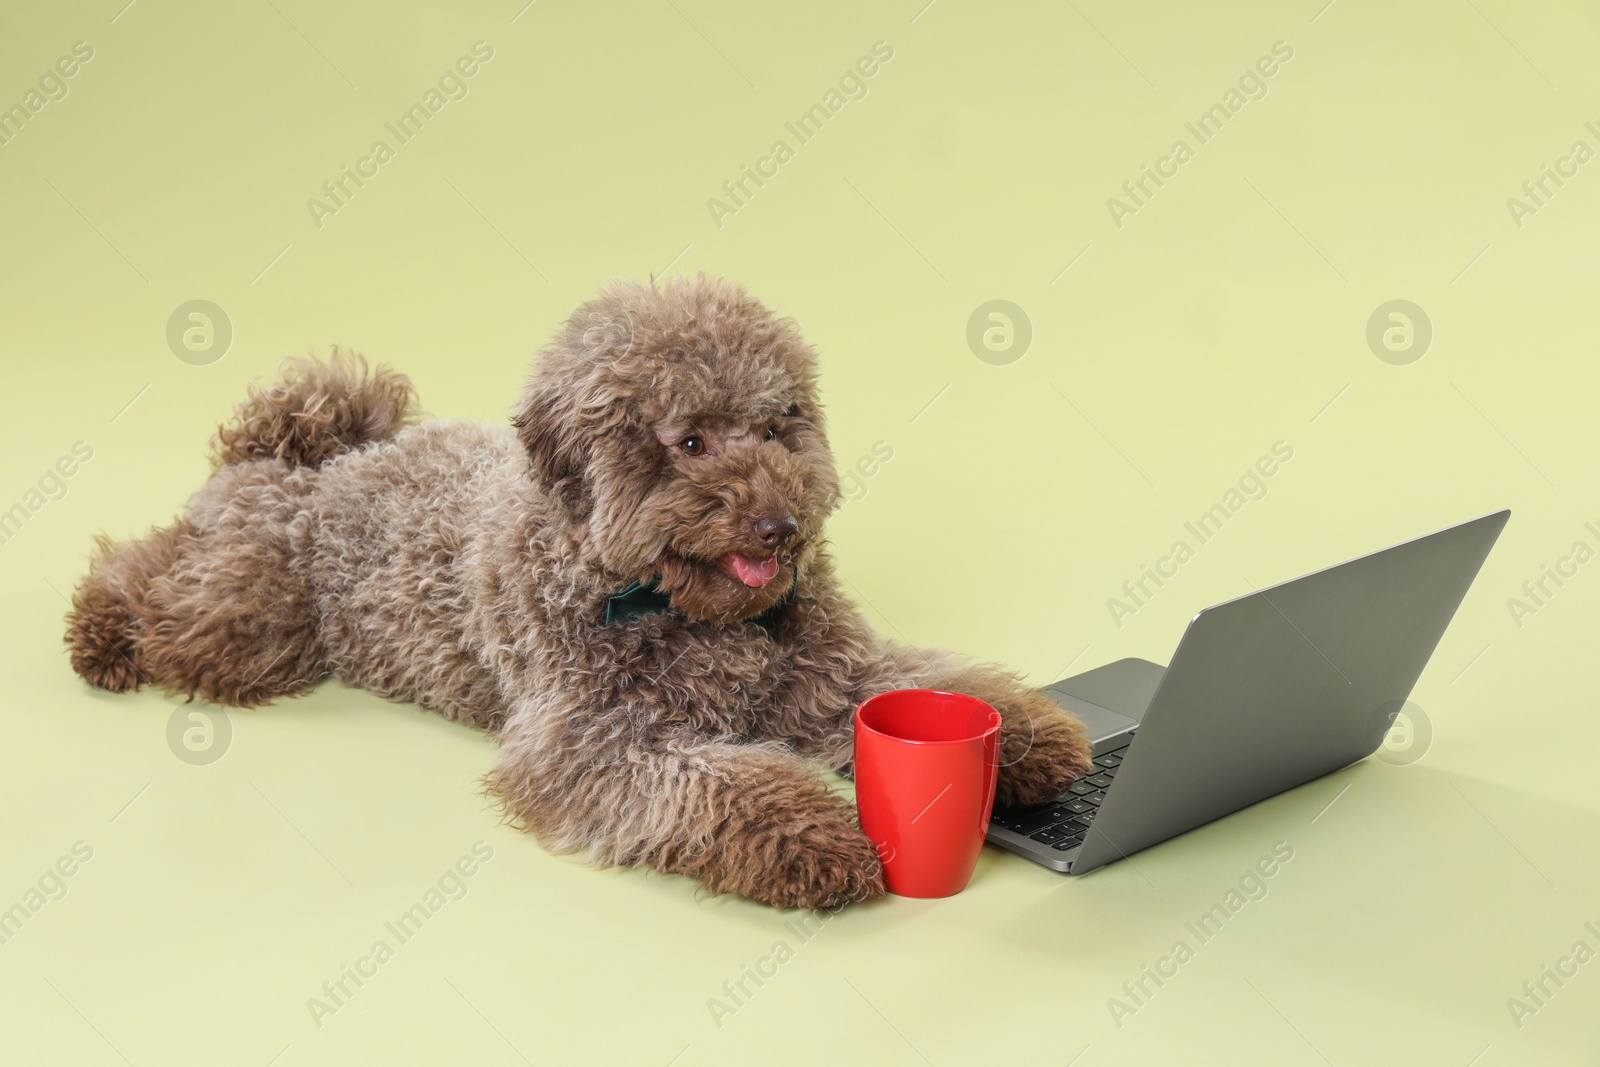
<point>1062,823</point>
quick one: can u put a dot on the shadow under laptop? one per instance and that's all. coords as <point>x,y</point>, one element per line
<point>1409,867</point>
<point>1405,901</point>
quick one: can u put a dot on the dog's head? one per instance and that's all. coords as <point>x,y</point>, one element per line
<point>680,425</point>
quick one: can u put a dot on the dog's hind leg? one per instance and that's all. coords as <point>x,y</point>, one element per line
<point>111,608</point>
<point>236,620</point>
<point>216,606</point>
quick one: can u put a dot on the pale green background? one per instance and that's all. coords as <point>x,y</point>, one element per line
<point>1224,316</point>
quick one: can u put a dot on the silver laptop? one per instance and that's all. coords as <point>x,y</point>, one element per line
<point>1264,693</point>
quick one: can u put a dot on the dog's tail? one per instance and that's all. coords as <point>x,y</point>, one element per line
<point>317,411</point>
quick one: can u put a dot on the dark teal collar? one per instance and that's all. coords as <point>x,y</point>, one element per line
<point>636,599</point>
<point>643,598</point>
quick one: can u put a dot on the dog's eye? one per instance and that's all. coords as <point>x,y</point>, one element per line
<point>770,435</point>
<point>694,446</point>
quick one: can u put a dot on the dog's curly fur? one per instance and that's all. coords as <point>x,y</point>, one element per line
<point>668,433</point>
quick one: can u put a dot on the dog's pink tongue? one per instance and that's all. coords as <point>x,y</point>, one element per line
<point>755,571</point>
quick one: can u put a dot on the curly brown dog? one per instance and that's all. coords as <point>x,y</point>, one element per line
<point>630,590</point>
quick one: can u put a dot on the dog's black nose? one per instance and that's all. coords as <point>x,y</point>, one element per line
<point>774,530</point>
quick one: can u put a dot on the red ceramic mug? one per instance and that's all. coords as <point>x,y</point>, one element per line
<point>925,768</point>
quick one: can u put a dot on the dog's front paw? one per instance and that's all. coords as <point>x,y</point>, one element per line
<point>1043,751</point>
<point>814,856</point>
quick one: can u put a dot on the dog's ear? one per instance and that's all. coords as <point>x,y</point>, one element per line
<point>553,421</point>
<point>557,448</point>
